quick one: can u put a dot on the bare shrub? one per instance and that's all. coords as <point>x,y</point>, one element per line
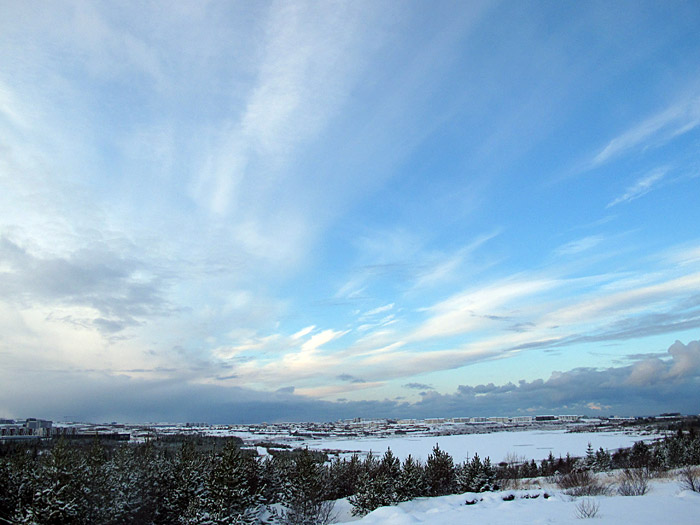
<point>587,508</point>
<point>318,513</point>
<point>633,482</point>
<point>582,483</point>
<point>689,478</point>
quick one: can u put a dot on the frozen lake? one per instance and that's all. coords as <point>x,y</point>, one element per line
<point>530,444</point>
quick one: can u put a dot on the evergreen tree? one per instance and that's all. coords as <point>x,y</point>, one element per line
<point>190,471</point>
<point>476,476</point>
<point>344,476</point>
<point>304,495</point>
<point>533,471</point>
<point>56,497</point>
<point>439,473</point>
<point>378,485</point>
<point>639,455</point>
<point>411,482</point>
<point>234,494</point>
<point>603,460</point>
<point>95,485</point>
<point>272,476</point>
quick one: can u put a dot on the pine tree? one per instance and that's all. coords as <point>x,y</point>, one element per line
<point>489,476</point>
<point>411,481</point>
<point>603,460</point>
<point>272,480</point>
<point>377,485</point>
<point>639,455</point>
<point>343,477</point>
<point>234,494</point>
<point>56,497</point>
<point>439,473</point>
<point>123,478</point>
<point>18,475</point>
<point>94,484</point>
<point>372,493</point>
<point>304,494</point>
<point>189,471</point>
<point>476,476</point>
<point>533,471</point>
<point>589,460</point>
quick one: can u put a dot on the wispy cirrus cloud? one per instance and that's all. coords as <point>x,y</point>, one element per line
<point>676,120</point>
<point>580,245</point>
<point>472,308</point>
<point>301,82</point>
<point>641,187</point>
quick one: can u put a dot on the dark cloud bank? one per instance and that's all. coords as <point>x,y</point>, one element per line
<point>648,386</point>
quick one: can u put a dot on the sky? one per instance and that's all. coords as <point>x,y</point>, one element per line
<point>276,211</point>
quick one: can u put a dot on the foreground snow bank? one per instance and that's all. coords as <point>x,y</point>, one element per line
<point>665,503</point>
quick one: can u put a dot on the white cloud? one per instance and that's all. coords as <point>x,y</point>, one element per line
<point>308,63</point>
<point>686,359</point>
<point>378,310</point>
<point>580,245</point>
<point>641,187</point>
<point>621,303</point>
<point>303,332</point>
<point>472,309</point>
<point>12,109</point>
<point>675,120</point>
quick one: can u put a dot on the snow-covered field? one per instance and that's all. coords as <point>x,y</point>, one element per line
<point>530,444</point>
<point>665,503</point>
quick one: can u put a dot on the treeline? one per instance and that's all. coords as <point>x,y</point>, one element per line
<point>166,483</point>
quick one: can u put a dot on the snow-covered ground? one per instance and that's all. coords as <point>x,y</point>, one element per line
<point>530,444</point>
<point>665,503</point>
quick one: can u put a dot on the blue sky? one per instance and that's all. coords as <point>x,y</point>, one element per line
<point>240,211</point>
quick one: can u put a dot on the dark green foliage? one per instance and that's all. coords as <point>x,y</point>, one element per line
<point>639,455</point>
<point>234,488</point>
<point>440,473</point>
<point>411,481</point>
<point>476,476</point>
<point>344,477</point>
<point>387,482</point>
<point>603,460</point>
<point>376,485</point>
<point>304,495</point>
<point>54,496</point>
<point>189,485</point>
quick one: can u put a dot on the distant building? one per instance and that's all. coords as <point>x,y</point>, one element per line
<point>10,428</point>
<point>569,418</point>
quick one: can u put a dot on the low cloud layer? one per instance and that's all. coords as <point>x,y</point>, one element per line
<point>648,386</point>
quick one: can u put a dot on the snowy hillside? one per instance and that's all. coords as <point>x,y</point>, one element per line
<point>665,503</point>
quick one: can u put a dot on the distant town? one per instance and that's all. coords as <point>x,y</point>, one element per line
<point>33,428</point>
